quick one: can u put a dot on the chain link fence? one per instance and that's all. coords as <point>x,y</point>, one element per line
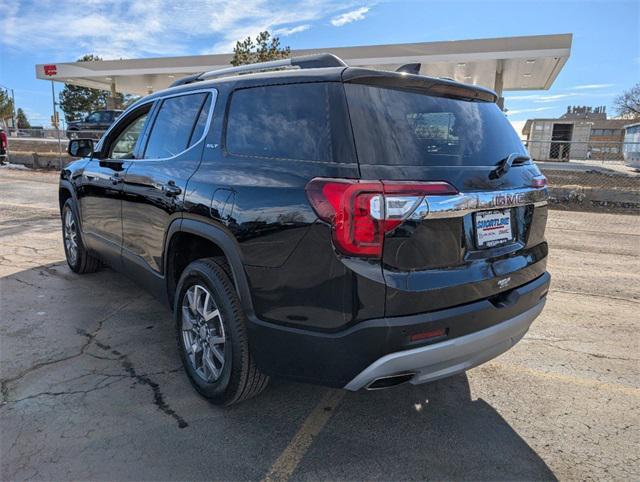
<point>591,175</point>
<point>599,151</point>
<point>53,134</point>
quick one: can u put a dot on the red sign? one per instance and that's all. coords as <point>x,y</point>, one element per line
<point>50,69</point>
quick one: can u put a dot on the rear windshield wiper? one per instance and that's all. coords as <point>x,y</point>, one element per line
<point>505,164</point>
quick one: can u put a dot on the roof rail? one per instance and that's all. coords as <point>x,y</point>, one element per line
<point>305,62</point>
<point>186,80</point>
<point>409,69</point>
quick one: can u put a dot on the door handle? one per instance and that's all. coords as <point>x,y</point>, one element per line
<point>171,190</point>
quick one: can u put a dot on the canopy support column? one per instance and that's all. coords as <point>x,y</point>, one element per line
<point>112,102</point>
<point>498,82</point>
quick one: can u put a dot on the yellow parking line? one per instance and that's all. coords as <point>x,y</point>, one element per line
<point>291,456</point>
<point>585,382</point>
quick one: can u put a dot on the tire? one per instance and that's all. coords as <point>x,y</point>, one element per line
<point>210,320</point>
<point>78,258</point>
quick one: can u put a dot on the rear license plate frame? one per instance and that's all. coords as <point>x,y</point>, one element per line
<point>494,232</point>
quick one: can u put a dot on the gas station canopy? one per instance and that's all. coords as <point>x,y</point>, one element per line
<point>509,63</point>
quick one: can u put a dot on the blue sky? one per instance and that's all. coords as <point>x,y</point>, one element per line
<point>605,58</point>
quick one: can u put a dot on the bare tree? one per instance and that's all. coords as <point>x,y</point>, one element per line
<point>627,104</point>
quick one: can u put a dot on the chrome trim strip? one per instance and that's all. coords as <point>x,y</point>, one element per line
<point>461,204</point>
<point>212,107</point>
<point>169,94</point>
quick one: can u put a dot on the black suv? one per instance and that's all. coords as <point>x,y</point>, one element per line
<point>328,224</point>
<point>93,125</point>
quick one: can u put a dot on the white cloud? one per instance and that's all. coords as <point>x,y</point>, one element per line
<point>290,31</point>
<point>593,86</point>
<point>546,98</point>
<point>349,17</point>
<point>124,29</point>
<point>525,111</point>
<point>552,98</point>
<point>540,97</point>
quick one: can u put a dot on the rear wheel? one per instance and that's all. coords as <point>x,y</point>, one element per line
<point>212,337</point>
<point>78,258</point>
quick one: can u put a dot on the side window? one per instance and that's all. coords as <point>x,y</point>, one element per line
<point>201,122</point>
<point>122,147</point>
<point>281,121</point>
<point>174,125</point>
<point>94,117</point>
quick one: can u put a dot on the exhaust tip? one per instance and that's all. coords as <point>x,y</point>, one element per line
<point>390,381</point>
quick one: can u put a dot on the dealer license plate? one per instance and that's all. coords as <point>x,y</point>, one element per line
<point>493,228</point>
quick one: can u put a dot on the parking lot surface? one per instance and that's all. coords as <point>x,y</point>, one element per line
<point>92,386</point>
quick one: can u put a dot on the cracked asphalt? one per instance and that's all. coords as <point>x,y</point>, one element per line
<point>92,386</point>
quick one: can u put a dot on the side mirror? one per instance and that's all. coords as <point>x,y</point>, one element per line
<point>80,147</point>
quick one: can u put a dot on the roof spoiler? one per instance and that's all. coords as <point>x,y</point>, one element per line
<point>305,62</point>
<point>419,83</point>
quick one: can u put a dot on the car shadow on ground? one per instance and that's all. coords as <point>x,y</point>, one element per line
<point>432,431</point>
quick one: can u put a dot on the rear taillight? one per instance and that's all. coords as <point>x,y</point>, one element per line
<point>362,212</point>
<point>3,139</point>
<point>539,181</point>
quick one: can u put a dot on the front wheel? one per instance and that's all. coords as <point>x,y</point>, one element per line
<point>78,258</point>
<point>212,335</point>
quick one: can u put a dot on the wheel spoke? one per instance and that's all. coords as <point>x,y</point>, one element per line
<point>212,314</point>
<point>191,298</point>
<point>192,355</point>
<point>216,340</point>
<point>202,307</point>
<point>208,362</point>
<point>187,322</point>
<point>217,353</point>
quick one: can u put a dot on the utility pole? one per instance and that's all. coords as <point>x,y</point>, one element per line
<point>55,121</point>
<point>13,109</point>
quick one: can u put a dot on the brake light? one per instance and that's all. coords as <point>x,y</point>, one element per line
<point>362,212</point>
<point>539,181</point>
<point>3,139</point>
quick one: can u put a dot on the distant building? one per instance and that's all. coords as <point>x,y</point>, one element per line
<point>580,133</point>
<point>632,145</point>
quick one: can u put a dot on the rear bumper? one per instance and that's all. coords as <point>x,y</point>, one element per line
<point>353,357</point>
<point>447,358</point>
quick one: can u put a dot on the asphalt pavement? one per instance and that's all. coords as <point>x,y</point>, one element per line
<point>92,386</point>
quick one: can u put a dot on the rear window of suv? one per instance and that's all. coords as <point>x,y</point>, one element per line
<point>396,127</point>
<point>293,121</point>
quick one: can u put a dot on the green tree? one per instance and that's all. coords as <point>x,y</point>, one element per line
<point>263,49</point>
<point>627,104</point>
<point>76,102</point>
<point>6,106</point>
<point>21,120</point>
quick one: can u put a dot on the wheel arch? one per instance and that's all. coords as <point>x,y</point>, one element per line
<point>225,246</point>
<point>65,191</point>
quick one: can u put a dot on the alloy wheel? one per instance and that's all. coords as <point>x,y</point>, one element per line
<point>71,236</point>
<point>203,334</point>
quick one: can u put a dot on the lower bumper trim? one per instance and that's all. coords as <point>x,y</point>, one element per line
<point>447,358</point>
